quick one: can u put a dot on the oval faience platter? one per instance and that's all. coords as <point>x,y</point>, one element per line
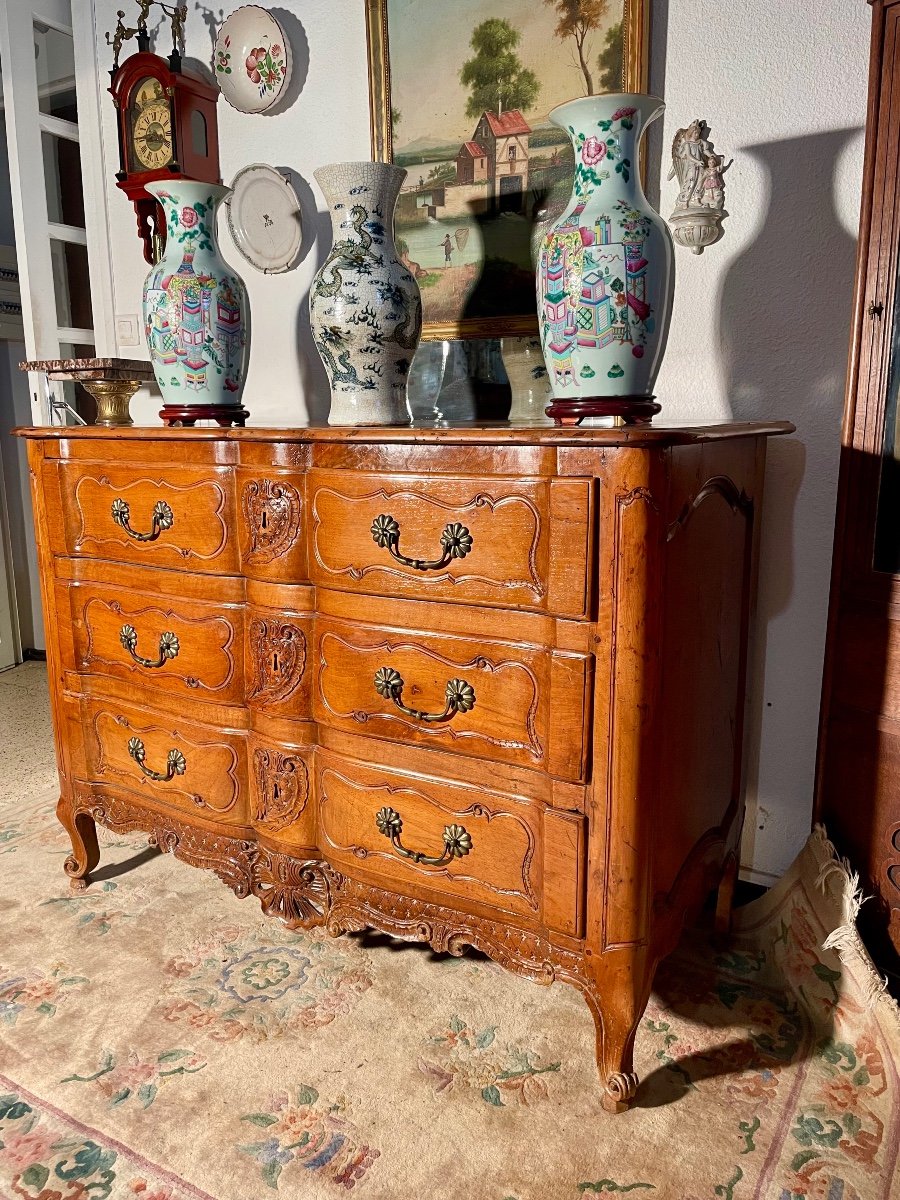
<point>252,59</point>
<point>264,218</point>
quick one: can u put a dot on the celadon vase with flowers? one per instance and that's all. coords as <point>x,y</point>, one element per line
<point>606,271</point>
<point>196,315</point>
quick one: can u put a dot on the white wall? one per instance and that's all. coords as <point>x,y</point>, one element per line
<point>761,329</point>
<point>761,321</point>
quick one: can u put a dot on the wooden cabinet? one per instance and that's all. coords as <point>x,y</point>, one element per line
<point>858,789</point>
<point>475,686</point>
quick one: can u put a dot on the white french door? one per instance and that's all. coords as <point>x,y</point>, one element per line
<point>51,100</point>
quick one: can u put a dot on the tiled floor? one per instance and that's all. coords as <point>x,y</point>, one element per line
<point>27,761</point>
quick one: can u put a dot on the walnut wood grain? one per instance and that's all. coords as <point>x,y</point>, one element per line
<point>567,821</point>
<point>511,717</point>
<point>197,530</point>
<point>204,660</point>
<point>213,782</point>
<point>506,525</point>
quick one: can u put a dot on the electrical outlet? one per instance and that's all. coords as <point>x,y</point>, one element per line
<point>128,330</point>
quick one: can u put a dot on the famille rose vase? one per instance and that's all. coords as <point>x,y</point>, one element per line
<point>196,315</point>
<point>606,273</point>
<point>364,305</point>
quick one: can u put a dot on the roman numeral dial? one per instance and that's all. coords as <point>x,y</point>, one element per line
<point>152,136</point>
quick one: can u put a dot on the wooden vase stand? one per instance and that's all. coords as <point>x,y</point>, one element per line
<point>187,415</point>
<point>633,410</point>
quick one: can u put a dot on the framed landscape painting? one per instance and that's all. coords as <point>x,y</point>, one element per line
<point>460,96</point>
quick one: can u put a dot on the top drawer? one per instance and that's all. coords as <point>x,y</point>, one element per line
<point>168,516</point>
<point>519,543</point>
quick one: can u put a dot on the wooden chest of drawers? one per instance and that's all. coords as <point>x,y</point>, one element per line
<point>476,686</point>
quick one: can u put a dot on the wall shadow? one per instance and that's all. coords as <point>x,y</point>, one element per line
<point>317,239</point>
<point>783,335</point>
<point>299,46</point>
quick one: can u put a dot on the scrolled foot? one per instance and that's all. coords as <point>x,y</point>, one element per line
<point>78,883</point>
<point>619,1092</point>
<point>85,849</point>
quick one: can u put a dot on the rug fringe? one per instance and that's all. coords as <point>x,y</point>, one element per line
<point>835,874</point>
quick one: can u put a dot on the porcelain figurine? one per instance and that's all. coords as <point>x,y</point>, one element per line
<point>606,270</point>
<point>364,305</point>
<point>196,315</point>
<point>700,207</point>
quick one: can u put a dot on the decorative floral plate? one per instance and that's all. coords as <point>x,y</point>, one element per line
<point>252,59</point>
<point>264,218</point>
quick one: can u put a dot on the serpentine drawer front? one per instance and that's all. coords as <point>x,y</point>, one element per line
<point>166,516</point>
<point>168,759</point>
<point>485,541</point>
<point>485,847</point>
<point>184,648</point>
<point>475,685</point>
<point>488,699</point>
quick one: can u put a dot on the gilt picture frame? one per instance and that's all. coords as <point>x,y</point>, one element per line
<point>484,175</point>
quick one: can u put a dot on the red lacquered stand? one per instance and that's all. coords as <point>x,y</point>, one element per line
<point>189,414</point>
<point>634,410</point>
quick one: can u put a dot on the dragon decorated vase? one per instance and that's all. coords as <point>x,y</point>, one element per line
<point>196,314</point>
<point>606,272</point>
<point>364,305</point>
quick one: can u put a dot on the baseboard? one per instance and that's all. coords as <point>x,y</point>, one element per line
<point>29,654</point>
<point>765,879</point>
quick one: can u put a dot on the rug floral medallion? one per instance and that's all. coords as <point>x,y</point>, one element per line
<point>161,1040</point>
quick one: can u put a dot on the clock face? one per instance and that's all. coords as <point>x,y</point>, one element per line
<point>151,126</point>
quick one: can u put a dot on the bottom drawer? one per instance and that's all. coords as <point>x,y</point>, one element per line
<point>171,760</point>
<point>424,833</point>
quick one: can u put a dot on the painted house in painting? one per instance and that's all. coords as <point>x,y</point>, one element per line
<point>471,163</point>
<point>504,138</point>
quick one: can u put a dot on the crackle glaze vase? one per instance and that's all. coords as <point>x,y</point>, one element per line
<point>606,272</point>
<point>196,315</point>
<point>364,305</point>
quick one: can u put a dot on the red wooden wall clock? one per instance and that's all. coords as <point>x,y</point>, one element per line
<point>167,130</point>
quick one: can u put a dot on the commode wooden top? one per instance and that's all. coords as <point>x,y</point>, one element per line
<point>461,434</point>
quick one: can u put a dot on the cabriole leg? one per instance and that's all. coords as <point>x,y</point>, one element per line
<point>85,849</point>
<point>617,1001</point>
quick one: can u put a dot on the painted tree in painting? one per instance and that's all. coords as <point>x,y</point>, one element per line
<point>611,60</point>
<point>577,20</point>
<point>495,75</point>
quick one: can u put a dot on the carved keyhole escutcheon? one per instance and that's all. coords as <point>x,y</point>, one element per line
<point>277,659</point>
<point>272,514</point>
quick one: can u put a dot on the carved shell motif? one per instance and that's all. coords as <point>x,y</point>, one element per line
<point>272,512</point>
<point>277,659</point>
<point>282,788</point>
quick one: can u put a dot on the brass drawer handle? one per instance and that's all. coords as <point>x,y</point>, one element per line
<point>457,839</point>
<point>456,540</point>
<point>460,696</point>
<point>162,518</point>
<point>175,761</point>
<point>168,647</point>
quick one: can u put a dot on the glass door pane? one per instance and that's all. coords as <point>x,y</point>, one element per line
<point>54,55</point>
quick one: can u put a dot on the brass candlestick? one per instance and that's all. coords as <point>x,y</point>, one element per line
<point>111,381</point>
<point>113,397</point>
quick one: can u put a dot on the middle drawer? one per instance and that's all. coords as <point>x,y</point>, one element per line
<point>183,645</point>
<point>484,698</point>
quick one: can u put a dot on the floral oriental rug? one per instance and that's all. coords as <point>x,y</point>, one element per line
<point>161,1040</point>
